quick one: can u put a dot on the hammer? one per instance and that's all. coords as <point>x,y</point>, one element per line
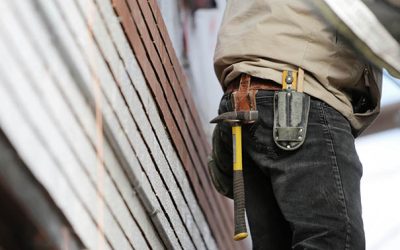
<point>236,119</point>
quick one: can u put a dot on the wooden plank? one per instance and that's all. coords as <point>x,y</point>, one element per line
<point>30,147</point>
<point>162,29</point>
<point>171,126</point>
<point>138,114</point>
<point>111,115</point>
<point>188,112</point>
<point>132,200</point>
<point>42,167</point>
<point>120,109</point>
<point>54,141</point>
<point>165,62</point>
<point>33,200</point>
<point>82,148</point>
<point>138,82</point>
<point>152,81</point>
<point>182,80</point>
<point>171,99</point>
<point>115,200</point>
<point>160,217</point>
<point>147,69</point>
<point>85,116</point>
<point>67,88</point>
<point>179,95</point>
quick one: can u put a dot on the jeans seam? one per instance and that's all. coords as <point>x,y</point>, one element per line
<point>336,172</point>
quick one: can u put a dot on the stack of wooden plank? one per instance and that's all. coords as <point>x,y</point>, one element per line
<point>95,103</point>
<point>149,39</point>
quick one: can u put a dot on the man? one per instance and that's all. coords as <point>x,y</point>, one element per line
<point>307,198</point>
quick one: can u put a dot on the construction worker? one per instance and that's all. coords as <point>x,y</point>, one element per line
<point>302,181</point>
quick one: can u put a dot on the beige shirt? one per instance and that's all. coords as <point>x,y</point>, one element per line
<point>264,37</point>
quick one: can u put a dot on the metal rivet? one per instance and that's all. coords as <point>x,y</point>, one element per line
<point>288,146</point>
<point>300,137</point>
<point>289,79</point>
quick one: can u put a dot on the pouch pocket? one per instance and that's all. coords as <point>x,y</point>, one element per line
<point>291,111</point>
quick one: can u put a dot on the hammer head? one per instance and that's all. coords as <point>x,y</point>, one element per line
<point>237,117</point>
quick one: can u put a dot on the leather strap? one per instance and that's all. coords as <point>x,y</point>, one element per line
<point>300,80</point>
<point>244,98</point>
<point>293,80</point>
<point>241,100</point>
<point>255,84</point>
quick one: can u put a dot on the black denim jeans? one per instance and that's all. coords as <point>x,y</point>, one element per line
<point>303,199</point>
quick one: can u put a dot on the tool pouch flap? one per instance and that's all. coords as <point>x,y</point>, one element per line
<point>291,110</point>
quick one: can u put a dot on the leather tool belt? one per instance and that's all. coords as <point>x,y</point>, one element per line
<point>255,84</point>
<point>291,105</point>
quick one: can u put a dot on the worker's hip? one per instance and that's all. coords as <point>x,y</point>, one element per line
<point>318,182</point>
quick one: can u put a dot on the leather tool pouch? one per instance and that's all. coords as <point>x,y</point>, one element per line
<point>244,99</point>
<point>291,109</point>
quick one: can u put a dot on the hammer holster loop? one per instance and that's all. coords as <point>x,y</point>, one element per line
<point>244,99</point>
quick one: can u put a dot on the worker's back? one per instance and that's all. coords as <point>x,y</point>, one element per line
<point>263,37</point>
